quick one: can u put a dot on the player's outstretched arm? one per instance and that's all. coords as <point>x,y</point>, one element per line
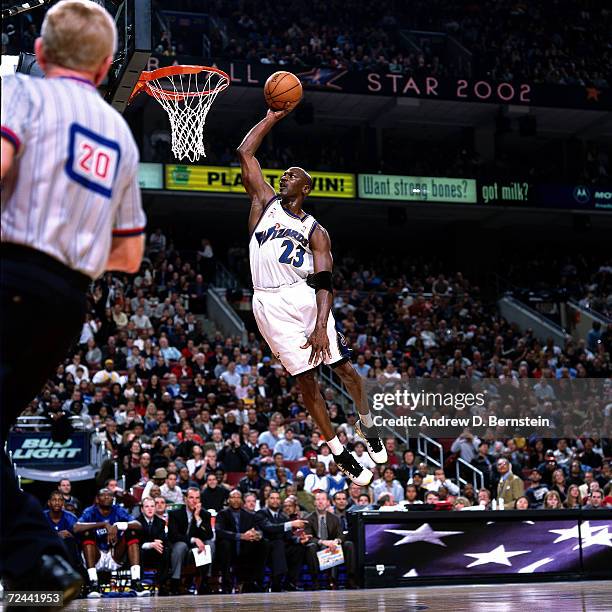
<point>318,341</point>
<point>259,190</point>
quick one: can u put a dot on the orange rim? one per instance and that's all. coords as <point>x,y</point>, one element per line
<point>143,84</point>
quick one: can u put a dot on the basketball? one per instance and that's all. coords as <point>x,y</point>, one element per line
<point>281,88</point>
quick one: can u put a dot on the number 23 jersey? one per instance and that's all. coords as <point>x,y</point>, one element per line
<point>280,253</point>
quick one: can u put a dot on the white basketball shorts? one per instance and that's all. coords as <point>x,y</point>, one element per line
<point>286,317</point>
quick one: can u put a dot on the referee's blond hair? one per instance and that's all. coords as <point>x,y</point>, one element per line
<point>78,34</point>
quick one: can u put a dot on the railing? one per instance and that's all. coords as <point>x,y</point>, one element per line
<point>41,423</point>
<point>345,400</point>
<point>205,46</point>
<point>423,443</point>
<point>223,314</point>
<point>9,454</point>
<point>525,317</point>
<point>224,277</point>
<point>476,474</point>
<point>452,53</point>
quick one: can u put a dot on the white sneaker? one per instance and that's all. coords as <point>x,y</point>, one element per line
<point>352,469</point>
<point>375,446</point>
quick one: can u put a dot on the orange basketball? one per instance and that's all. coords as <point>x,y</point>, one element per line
<point>281,88</point>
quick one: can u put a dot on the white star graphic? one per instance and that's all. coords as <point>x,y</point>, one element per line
<point>574,532</point>
<point>411,574</point>
<point>530,569</point>
<point>423,534</point>
<point>498,555</point>
<point>601,538</point>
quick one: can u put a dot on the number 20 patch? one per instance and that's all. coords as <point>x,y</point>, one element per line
<point>92,160</point>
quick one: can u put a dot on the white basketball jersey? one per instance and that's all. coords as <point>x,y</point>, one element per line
<point>280,247</point>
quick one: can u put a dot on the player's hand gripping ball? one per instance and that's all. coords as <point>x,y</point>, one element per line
<point>283,90</point>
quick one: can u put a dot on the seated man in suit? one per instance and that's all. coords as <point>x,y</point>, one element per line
<point>285,553</point>
<point>326,531</point>
<point>188,528</point>
<point>239,545</point>
<point>154,543</point>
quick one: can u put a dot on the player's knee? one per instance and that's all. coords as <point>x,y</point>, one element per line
<point>131,537</point>
<point>308,382</point>
<point>347,373</point>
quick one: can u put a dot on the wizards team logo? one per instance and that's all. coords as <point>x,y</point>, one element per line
<point>277,231</point>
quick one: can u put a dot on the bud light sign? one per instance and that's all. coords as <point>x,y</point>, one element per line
<point>38,450</point>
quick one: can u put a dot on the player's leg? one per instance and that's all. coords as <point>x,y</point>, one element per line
<point>355,385</point>
<point>91,553</point>
<point>285,320</point>
<point>318,410</point>
<point>130,543</point>
<point>365,427</point>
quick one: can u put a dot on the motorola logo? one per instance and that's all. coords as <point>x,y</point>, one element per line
<point>582,194</point>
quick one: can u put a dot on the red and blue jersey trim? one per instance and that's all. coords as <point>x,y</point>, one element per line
<point>126,233</point>
<point>7,133</point>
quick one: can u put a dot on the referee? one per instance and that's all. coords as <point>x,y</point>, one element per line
<point>71,209</point>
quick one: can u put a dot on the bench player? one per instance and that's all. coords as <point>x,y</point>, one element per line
<point>291,267</point>
<point>109,532</point>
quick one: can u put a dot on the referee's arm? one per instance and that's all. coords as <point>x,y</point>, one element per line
<point>126,253</point>
<point>8,154</point>
<point>128,242</point>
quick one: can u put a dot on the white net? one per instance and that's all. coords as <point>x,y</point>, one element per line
<point>187,98</point>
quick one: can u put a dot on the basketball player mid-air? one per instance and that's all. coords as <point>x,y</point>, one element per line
<point>291,266</point>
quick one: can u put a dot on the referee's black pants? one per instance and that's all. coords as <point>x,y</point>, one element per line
<point>42,310</point>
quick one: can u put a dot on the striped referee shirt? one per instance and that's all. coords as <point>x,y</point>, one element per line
<point>74,182</point>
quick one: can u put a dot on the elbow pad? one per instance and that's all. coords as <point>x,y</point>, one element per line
<point>320,280</point>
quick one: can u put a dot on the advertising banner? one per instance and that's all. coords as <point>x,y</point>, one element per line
<point>38,450</point>
<point>410,548</point>
<point>576,197</point>
<point>507,193</point>
<point>226,179</point>
<point>374,83</point>
<point>417,188</point>
<point>150,176</point>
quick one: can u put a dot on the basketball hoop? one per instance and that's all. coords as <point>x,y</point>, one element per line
<point>186,94</point>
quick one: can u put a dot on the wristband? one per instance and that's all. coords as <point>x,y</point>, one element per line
<point>320,280</point>
<point>121,525</point>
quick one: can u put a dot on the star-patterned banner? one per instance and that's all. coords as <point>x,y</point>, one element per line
<point>410,548</point>
<point>372,83</point>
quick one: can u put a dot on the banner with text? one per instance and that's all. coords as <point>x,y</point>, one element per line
<point>37,450</point>
<point>417,188</point>
<point>225,179</point>
<point>374,83</point>
<point>442,408</point>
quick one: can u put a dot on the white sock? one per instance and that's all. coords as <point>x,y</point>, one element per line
<point>93,574</point>
<point>135,571</point>
<point>366,419</point>
<point>335,446</point>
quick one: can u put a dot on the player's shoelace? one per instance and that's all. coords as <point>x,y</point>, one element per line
<point>371,436</point>
<point>348,464</point>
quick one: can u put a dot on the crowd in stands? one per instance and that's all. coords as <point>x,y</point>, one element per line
<point>206,425</point>
<point>585,279</point>
<point>562,43</point>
